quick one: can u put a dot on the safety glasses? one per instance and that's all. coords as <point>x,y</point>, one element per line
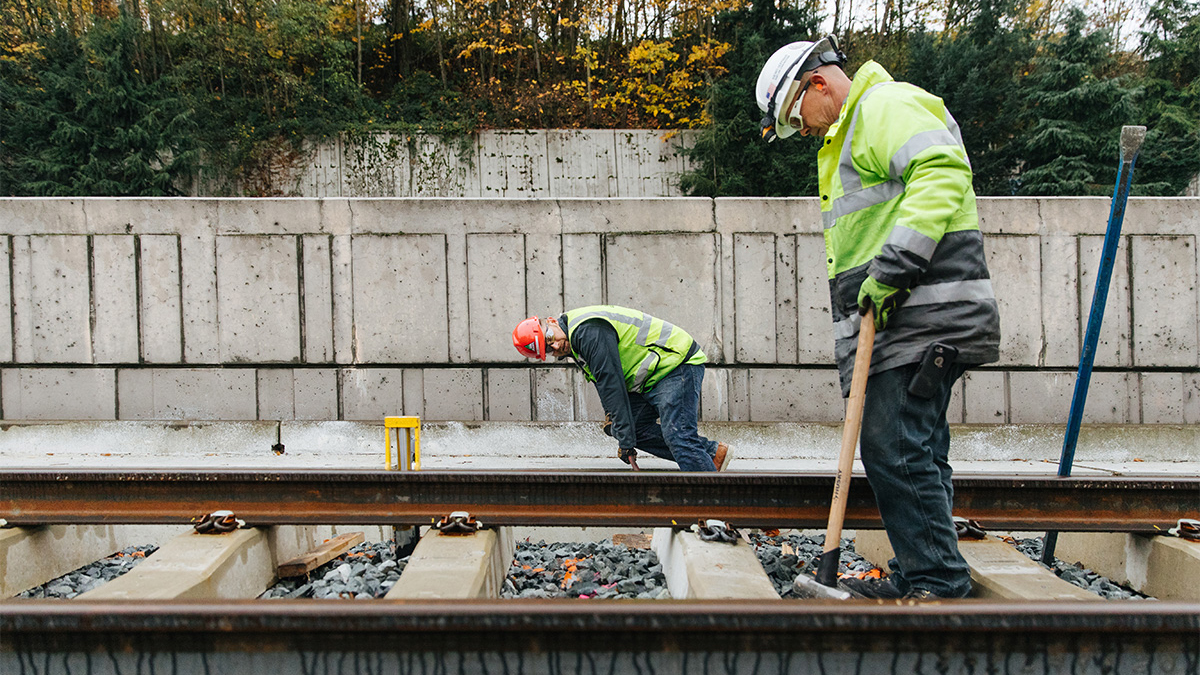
<point>794,116</point>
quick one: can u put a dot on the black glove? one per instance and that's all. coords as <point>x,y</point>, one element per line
<point>629,457</point>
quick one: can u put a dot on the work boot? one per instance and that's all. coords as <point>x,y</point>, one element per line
<point>723,457</point>
<point>874,589</point>
<point>607,426</point>
<point>921,595</point>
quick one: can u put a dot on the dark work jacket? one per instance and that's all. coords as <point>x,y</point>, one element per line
<point>595,341</point>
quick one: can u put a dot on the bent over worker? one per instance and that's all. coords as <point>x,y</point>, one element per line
<point>648,374</point>
<point>902,239</point>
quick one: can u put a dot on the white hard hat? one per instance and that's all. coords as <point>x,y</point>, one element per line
<point>783,68</point>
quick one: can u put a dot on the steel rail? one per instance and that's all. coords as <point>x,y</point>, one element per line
<point>573,620</point>
<point>642,499</point>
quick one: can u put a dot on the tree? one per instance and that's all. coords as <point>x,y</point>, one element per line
<point>1170,46</point>
<point>975,71</point>
<point>81,118</point>
<point>1073,114</point>
<point>732,159</point>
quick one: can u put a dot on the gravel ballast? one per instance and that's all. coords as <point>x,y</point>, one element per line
<point>365,572</point>
<point>91,576</point>
<point>584,570</point>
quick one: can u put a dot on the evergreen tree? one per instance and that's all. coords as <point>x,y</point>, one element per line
<point>731,157</point>
<point>1171,106</point>
<point>1073,114</point>
<point>81,118</point>
<point>975,72</point>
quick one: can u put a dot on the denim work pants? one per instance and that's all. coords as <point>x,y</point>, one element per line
<point>675,402</point>
<point>904,446</point>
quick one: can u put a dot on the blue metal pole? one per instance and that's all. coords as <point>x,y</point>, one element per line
<point>1132,138</point>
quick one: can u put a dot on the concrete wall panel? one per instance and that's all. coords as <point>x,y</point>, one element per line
<point>786,308</point>
<point>513,164</point>
<point>43,216</point>
<point>815,331</point>
<point>1045,398</point>
<point>58,394</point>
<point>400,307</point>
<point>1191,398</point>
<point>341,256</point>
<point>453,394</point>
<point>1113,349</point>
<point>581,162</point>
<point>588,407</point>
<point>508,394</point>
<point>414,392</point>
<point>714,395</point>
<point>553,395</point>
<point>276,394</point>
<point>1010,215</point>
<point>114,272</point>
<point>754,297</point>
<point>441,169</point>
<point>315,392</point>
<point>649,162</point>
<point>544,281</point>
<point>1015,266</point>
<point>370,394</point>
<point>635,216</point>
<point>583,276</point>
<point>1077,215</point>
<point>669,276</point>
<point>317,298</point>
<point>60,302</point>
<point>201,341</point>
<point>161,299</point>
<point>258,282</point>
<point>187,393</point>
<point>6,306</point>
<point>495,294</point>
<point>270,216</point>
<point>1060,302</point>
<point>1164,301</point>
<point>402,283</point>
<point>985,397</point>
<point>788,395</point>
<point>1162,398</point>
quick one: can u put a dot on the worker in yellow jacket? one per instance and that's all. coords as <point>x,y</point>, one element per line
<point>902,239</point>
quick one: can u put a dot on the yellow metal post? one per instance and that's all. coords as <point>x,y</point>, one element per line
<point>410,457</point>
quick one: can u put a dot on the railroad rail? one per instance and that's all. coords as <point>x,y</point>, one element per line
<point>539,636</point>
<point>642,499</point>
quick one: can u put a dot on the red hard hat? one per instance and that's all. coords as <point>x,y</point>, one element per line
<point>529,339</point>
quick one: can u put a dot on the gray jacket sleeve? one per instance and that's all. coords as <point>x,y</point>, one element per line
<point>596,343</point>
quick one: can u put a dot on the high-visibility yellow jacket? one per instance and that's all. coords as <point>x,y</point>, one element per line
<point>897,203</point>
<point>649,348</point>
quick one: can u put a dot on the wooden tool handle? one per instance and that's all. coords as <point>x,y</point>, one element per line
<point>854,415</point>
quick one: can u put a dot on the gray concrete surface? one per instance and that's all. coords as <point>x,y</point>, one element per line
<point>1005,449</point>
<point>352,309</point>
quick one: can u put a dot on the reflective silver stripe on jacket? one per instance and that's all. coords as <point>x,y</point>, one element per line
<point>911,240</point>
<point>643,373</point>
<point>971,290</point>
<point>854,196</point>
<point>643,326</point>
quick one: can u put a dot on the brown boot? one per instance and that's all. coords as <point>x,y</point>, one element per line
<point>723,457</point>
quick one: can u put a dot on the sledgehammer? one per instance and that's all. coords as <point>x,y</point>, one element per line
<point>825,585</point>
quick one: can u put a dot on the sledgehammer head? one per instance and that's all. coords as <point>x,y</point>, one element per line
<point>806,586</point>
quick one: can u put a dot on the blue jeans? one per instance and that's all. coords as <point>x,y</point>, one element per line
<point>675,401</point>
<point>904,446</point>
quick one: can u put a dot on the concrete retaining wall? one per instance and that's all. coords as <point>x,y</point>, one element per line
<point>539,163</point>
<point>235,309</point>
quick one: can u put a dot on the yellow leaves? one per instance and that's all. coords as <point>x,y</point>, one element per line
<point>651,57</point>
